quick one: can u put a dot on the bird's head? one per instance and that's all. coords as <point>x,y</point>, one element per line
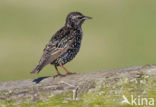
<point>75,19</point>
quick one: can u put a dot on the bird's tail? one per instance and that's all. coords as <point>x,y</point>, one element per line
<point>38,68</point>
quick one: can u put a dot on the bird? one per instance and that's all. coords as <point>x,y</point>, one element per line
<point>64,44</point>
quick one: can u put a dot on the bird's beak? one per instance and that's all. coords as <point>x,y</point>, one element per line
<point>87,17</point>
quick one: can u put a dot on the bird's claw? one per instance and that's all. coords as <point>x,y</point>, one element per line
<point>59,75</point>
<point>70,73</point>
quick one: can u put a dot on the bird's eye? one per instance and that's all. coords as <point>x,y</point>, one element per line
<point>80,17</point>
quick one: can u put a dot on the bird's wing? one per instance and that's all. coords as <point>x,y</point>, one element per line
<point>52,56</point>
<point>60,51</point>
<point>59,40</point>
<point>56,47</point>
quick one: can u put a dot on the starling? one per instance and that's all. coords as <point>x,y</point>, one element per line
<point>64,45</point>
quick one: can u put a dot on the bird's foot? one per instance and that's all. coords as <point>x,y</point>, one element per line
<point>70,73</point>
<point>59,75</point>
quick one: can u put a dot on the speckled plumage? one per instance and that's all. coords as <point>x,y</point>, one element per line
<point>60,40</point>
<point>75,46</point>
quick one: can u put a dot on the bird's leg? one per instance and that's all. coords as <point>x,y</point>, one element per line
<point>58,73</point>
<point>67,72</point>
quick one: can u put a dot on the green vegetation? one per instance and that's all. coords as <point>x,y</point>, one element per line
<point>122,33</point>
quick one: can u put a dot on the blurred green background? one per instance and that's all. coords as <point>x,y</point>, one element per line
<point>121,34</point>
